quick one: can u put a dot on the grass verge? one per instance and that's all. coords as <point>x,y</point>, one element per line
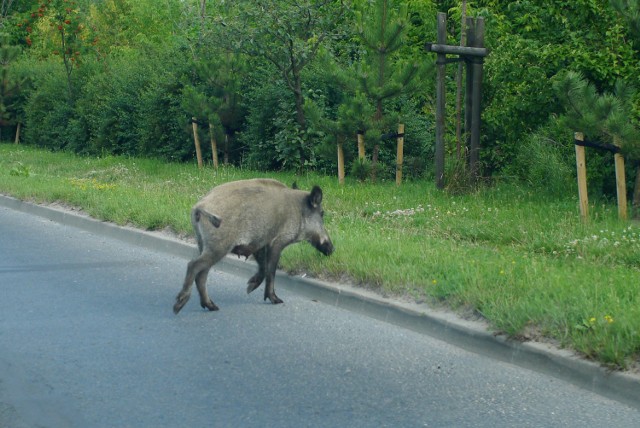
<point>525,263</point>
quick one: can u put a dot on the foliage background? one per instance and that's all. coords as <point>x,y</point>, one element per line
<point>134,62</point>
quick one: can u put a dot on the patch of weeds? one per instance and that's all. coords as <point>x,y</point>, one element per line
<point>90,184</point>
<point>19,170</point>
<point>592,323</point>
<point>113,173</point>
<point>361,169</point>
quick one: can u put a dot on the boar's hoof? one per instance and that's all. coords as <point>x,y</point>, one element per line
<point>180,302</point>
<point>209,305</point>
<point>274,299</point>
<point>253,284</point>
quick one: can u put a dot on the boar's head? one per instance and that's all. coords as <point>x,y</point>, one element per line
<point>313,216</point>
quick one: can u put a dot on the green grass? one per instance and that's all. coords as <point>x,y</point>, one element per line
<point>523,261</point>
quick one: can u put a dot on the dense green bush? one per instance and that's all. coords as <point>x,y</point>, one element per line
<point>127,94</point>
<point>267,112</point>
<point>127,106</point>
<point>48,108</point>
<point>109,104</point>
<point>544,161</point>
<point>164,128</point>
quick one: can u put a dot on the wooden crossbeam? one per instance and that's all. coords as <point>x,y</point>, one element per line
<point>456,50</point>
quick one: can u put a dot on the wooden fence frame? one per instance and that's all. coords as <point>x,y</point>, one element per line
<point>581,166</point>
<point>473,57</point>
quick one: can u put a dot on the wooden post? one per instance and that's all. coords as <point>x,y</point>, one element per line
<point>468,91</point>
<point>360,145</point>
<point>340,161</point>
<point>400,154</point>
<point>474,143</point>
<point>440,102</point>
<point>463,40</point>
<point>581,166</point>
<point>621,186</point>
<point>214,146</point>
<point>17,140</point>
<point>196,139</point>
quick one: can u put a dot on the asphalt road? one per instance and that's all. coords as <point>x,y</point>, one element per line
<point>88,339</point>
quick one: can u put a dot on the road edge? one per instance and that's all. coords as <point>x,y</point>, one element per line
<point>473,336</point>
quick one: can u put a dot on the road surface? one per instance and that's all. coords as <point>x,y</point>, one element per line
<point>88,339</point>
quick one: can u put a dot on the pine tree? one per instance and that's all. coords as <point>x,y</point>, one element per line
<point>213,94</point>
<point>607,117</point>
<point>381,74</point>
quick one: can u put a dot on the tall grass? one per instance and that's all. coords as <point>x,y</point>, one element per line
<point>521,260</point>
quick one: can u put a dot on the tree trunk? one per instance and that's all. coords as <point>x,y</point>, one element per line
<point>17,141</point>
<point>300,117</point>
<point>360,145</point>
<point>374,162</point>
<point>376,147</point>
<point>400,154</point>
<point>636,194</point>
<point>226,149</point>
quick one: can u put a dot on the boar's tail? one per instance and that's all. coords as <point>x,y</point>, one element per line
<point>198,213</point>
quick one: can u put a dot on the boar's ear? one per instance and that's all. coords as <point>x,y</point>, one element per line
<point>315,197</point>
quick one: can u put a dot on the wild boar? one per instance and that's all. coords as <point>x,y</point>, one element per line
<point>258,217</point>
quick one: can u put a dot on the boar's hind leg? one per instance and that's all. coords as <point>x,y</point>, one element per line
<point>273,256</point>
<point>201,284</point>
<point>197,269</point>
<point>261,258</point>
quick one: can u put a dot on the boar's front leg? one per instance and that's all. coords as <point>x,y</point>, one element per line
<point>273,257</point>
<point>261,258</point>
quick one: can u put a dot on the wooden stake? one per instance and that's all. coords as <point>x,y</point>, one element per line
<point>340,162</point>
<point>214,146</point>
<point>400,154</point>
<point>360,145</point>
<point>621,186</point>
<point>196,139</point>
<point>17,141</point>
<point>581,166</point>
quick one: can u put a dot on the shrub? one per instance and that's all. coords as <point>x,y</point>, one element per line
<point>109,104</point>
<point>164,128</point>
<point>48,108</point>
<point>545,160</point>
<point>361,169</point>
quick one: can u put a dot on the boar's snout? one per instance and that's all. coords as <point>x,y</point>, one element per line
<point>325,246</point>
